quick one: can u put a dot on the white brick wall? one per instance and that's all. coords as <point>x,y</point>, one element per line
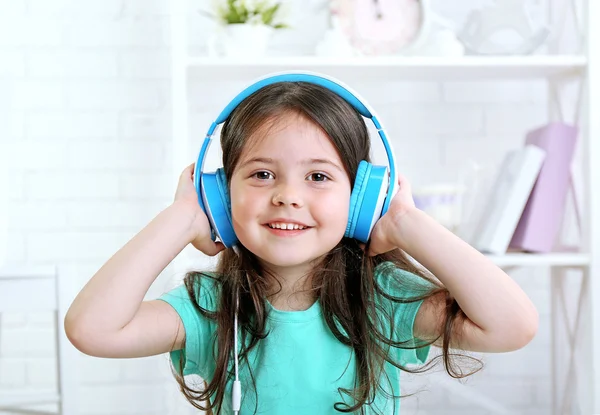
<point>89,139</point>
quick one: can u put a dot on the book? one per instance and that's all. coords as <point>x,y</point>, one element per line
<point>511,189</point>
<point>542,217</point>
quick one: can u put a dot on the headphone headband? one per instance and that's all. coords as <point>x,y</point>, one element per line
<point>296,77</point>
<point>331,84</point>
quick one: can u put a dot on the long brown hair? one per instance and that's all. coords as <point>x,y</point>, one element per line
<point>344,280</point>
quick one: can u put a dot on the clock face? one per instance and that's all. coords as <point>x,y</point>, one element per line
<point>379,27</point>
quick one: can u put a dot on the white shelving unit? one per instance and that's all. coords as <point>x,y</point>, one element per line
<point>577,390</point>
<point>397,67</point>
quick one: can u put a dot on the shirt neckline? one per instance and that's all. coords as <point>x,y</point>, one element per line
<point>294,316</point>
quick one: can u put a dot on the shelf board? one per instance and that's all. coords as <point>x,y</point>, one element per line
<point>397,67</point>
<point>530,260</point>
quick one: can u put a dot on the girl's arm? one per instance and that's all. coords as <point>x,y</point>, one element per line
<point>500,316</point>
<point>108,318</point>
<point>97,320</point>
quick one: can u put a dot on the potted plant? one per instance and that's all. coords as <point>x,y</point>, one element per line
<point>247,24</point>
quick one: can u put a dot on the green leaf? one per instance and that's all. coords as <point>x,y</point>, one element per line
<point>234,12</point>
<point>269,14</point>
<point>234,16</point>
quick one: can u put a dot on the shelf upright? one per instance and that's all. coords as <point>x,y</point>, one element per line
<point>593,190</point>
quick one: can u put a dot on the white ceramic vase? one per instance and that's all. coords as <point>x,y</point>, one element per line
<point>246,40</point>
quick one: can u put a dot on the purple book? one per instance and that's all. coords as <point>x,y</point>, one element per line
<point>542,217</point>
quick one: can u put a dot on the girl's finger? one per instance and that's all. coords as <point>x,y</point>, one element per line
<point>403,182</point>
<point>188,171</point>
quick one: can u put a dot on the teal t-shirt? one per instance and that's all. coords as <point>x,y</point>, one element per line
<point>300,365</point>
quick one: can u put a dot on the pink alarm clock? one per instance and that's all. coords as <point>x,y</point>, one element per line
<point>380,27</point>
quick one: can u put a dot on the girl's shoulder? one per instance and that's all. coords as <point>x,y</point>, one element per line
<point>400,294</point>
<point>400,282</point>
<point>204,286</point>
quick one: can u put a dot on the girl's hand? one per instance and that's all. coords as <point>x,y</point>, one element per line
<point>187,197</point>
<point>385,233</point>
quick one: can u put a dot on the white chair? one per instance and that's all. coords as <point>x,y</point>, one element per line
<point>32,289</point>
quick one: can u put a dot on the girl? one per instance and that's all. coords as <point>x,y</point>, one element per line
<point>325,323</point>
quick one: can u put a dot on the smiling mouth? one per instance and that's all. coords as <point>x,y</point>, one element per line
<point>287,226</point>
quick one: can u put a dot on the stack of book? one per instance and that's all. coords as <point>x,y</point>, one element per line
<point>527,204</point>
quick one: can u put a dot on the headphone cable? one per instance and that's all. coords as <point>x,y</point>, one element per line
<point>237,387</point>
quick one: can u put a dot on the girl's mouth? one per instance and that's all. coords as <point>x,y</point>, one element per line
<point>286,226</point>
<point>286,229</point>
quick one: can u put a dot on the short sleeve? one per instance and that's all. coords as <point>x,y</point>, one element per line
<point>199,330</point>
<point>405,285</point>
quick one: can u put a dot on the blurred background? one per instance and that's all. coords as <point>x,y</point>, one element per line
<point>488,105</point>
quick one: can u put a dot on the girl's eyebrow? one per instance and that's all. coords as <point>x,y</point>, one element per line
<point>322,161</point>
<point>267,160</point>
<point>264,160</point>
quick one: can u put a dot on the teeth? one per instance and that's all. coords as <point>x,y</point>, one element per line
<point>286,226</point>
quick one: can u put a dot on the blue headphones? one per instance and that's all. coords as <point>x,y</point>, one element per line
<point>373,189</point>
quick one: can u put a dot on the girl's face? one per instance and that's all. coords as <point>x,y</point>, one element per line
<point>290,195</point>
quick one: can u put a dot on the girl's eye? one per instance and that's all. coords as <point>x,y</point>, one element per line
<point>318,177</point>
<point>262,175</point>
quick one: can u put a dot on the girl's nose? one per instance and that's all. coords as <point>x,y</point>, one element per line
<point>287,195</point>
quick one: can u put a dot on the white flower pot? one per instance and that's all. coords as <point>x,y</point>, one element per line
<point>246,40</point>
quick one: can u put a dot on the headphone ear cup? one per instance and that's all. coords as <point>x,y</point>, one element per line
<point>373,198</point>
<point>366,200</point>
<point>362,174</point>
<point>223,189</point>
<point>215,194</point>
